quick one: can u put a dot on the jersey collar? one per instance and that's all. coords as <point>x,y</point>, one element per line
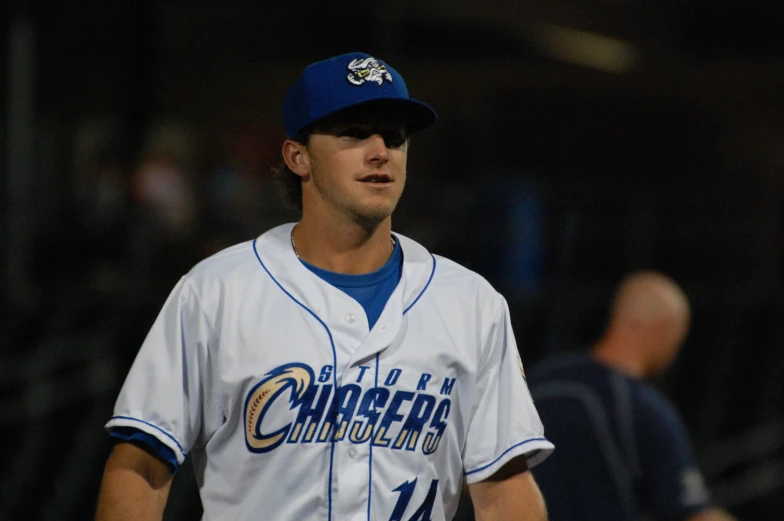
<point>277,256</point>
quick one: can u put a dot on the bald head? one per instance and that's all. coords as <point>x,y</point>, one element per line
<point>648,322</point>
<point>646,298</point>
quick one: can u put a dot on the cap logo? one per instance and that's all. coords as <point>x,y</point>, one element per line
<point>367,69</point>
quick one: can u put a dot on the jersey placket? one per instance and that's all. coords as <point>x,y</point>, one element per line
<point>357,363</point>
<point>350,461</point>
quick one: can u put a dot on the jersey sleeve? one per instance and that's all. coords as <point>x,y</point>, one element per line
<point>672,485</point>
<point>163,392</point>
<point>152,444</point>
<point>505,422</point>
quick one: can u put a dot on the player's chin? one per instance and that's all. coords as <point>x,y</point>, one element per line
<point>373,214</point>
<point>382,202</point>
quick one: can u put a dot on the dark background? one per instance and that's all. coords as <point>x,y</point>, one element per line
<point>577,141</point>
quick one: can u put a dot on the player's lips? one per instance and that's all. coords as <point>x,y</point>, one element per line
<point>378,178</point>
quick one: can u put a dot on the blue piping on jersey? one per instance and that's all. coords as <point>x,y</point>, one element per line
<point>184,455</point>
<point>504,454</point>
<point>370,458</point>
<point>432,272</point>
<point>334,372</point>
<point>370,462</point>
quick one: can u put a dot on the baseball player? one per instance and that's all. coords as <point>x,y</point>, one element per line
<point>330,369</point>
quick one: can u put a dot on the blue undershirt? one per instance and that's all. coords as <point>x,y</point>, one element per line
<point>371,290</point>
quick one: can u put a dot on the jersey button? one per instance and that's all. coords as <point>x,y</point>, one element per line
<point>352,452</point>
<point>351,318</point>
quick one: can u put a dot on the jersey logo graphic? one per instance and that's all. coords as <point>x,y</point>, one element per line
<point>369,69</point>
<point>294,378</point>
<point>291,405</point>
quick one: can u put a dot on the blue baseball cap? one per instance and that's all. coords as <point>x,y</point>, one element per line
<point>349,80</point>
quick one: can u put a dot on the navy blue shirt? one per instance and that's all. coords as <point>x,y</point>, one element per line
<point>371,290</point>
<point>622,449</point>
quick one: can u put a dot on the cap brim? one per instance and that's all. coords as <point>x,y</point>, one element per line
<point>414,114</point>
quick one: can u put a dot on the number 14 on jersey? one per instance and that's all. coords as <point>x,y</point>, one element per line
<point>424,511</point>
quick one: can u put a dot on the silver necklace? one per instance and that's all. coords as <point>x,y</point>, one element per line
<point>294,246</point>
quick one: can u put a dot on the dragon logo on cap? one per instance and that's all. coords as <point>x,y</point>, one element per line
<point>368,69</point>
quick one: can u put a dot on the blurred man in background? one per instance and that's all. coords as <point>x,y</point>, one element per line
<point>623,450</point>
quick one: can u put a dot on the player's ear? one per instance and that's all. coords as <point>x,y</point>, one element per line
<point>296,157</point>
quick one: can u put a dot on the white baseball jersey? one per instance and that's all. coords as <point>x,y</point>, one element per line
<point>293,410</point>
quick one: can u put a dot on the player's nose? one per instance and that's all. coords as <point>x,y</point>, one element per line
<point>377,150</point>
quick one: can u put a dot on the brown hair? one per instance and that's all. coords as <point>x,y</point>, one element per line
<point>289,187</point>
